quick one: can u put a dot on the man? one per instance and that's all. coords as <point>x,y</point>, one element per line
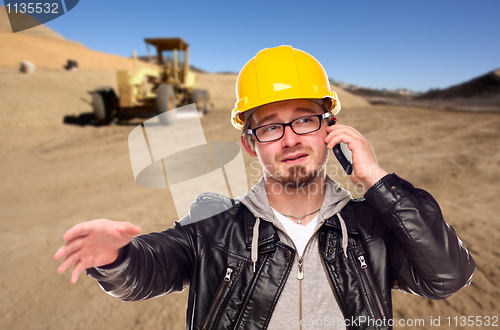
<point>296,251</point>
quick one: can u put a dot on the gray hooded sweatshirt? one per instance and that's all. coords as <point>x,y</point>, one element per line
<point>308,303</point>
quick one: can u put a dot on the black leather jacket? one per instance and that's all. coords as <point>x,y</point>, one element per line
<point>397,238</point>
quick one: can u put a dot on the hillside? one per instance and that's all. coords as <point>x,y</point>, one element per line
<point>50,51</point>
<point>480,94</point>
<point>487,85</point>
<point>38,31</point>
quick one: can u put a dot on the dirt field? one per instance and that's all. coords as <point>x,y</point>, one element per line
<point>57,174</point>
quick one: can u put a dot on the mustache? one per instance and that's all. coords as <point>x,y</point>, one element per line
<point>299,149</point>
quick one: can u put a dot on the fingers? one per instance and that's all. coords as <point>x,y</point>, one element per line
<point>366,171</point>
<point>84,239</point>
<point>79,267</point>
<point>339,129</point>
<point>72,258</point>
<point>347,139</point>
<point>348,135</point>
<point>59,253</point>
<point>69,248</point>
<point>81,229</point>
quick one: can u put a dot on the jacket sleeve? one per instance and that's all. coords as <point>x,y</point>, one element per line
<point>426,256</point>
<point>156,264</point>
<point>150,265</point>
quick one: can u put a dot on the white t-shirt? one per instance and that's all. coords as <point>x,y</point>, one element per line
<point>299,234</point>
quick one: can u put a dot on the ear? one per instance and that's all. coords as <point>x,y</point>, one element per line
<point>248,148</point>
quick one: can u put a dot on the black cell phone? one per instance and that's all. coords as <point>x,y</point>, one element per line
<point>343,154</point>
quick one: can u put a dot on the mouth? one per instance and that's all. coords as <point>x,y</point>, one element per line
<point>295,158</point>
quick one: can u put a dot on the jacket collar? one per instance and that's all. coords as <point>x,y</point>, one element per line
<point>348,216</point>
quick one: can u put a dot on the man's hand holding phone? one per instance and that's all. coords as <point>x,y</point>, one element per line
<point>366,170</point>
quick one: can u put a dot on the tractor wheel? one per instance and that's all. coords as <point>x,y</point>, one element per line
<point>198,98</point>
<point>208,103</point>
<point>104,104</point>
<point>166,101</point>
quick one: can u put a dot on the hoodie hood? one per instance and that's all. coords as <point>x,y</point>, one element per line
<point>257,202</point>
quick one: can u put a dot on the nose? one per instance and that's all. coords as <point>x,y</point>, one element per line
<point>289,139</point>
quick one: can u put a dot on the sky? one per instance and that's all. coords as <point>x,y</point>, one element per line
<point>416,45</point>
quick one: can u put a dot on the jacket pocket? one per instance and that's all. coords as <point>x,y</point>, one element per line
<point>225,283</point>
<point>371,282</point>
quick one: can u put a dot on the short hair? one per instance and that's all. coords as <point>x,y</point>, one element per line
<point>248,137</point>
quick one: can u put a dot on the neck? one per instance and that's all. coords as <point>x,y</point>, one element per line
<point>296,201</point>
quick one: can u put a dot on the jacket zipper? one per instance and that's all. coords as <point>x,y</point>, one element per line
<point>300,305</point>
<point>330,281</point>
<point>227,279</point>
<point>300,276</point>
<point>300,270</point>
<point>364,267</point>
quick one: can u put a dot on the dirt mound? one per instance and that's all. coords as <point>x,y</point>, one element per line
<point>481,94</point>
<point>52,54</point>
<point>50,51</point>
<point>38,31</point>
<point>349,100</point>
<point>487,85</point>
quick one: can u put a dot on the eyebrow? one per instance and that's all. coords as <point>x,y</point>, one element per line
<point>272,116</point>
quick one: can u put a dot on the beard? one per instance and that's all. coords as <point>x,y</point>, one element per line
<point>297,176</point>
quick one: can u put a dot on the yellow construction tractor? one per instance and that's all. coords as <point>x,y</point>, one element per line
<point>146,92</point>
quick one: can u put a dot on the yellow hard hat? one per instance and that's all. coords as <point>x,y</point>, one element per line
<point>278,74</point>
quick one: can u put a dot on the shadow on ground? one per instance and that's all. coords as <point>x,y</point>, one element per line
<point>87,119</point>
<point>83,119</point>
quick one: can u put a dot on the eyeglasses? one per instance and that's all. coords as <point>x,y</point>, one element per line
<point>300,126</point>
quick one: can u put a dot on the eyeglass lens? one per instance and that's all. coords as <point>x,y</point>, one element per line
<point>301,125</point>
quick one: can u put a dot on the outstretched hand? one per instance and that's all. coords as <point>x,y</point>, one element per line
<point>93,244</point>
<point>366,170</point>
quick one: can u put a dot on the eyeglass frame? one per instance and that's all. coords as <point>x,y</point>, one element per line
<point>252,131</point>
